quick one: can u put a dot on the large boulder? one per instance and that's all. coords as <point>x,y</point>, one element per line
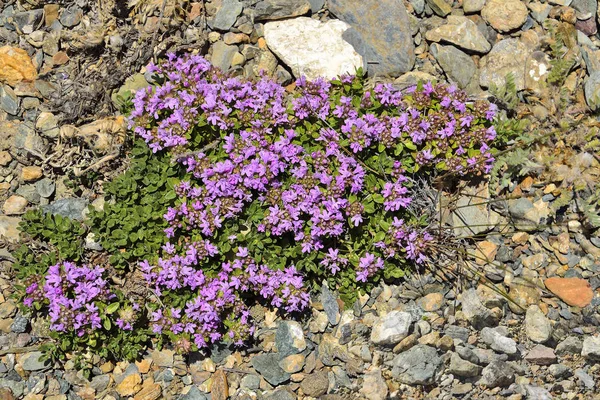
<point>381,33</point>
<point>312,48</point>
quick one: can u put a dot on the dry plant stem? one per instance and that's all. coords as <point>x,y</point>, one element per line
<point>98,163</point>
<point>160,18</point>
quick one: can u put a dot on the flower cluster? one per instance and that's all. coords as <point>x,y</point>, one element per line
<point>296,178</point>
<point>219,305</point>
<point>72,294</point>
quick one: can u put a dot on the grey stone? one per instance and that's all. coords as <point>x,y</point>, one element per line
<point>527,215</point>
<point>537,327</point>
<point>461,32</point>
<point>571,345</point>
<point>585,8</point>
<point>316,5</point>
<point>9,100</point>
<point>539,11</point>
<point>45,187</point>
<point>20,324</point>
<point>31,361</point>
<point>330,305</point>
<point>268,366</point>
<point>289,338</point>
<point>560,371</point>
<point>29,192</point>
<point>281,394</point>
<point>591,348</point>
<point>315,384</point>
<point>417,366</point>
<point>472,215</point>
<point>498,341</point>
<point>585,379</point>
<point>537,392</point>
<point>418,6</point>
<point>193,394</point>
<point>467,354</point>
<point>16,387</point>
<point>226,15</point>
<point>250,381</point>
<point>458,66</point>
<point>71,16</point>
<point>462,368</point>
<point>30,19</point>
<point>497,374</point>
<point>507,56</point>
<point>391,328</point>
<point>591,89</point>
<point>9,228</point>
<point>267,10</point>
<point>222,55</point>
<point>100,382</point>
<point>541,355</point>
<point>476,313</point>
<point>381,33</point>
<point>73,208</point>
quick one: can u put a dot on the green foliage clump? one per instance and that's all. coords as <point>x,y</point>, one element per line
<point>130,227</point>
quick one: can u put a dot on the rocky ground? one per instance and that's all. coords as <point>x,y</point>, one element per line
<point>65,74</point>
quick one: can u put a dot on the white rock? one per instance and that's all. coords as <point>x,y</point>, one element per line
<point>312,48</point>
<point>391,328</point>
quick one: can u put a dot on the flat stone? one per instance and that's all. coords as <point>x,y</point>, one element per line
<point>315,384</point>
<point>311,48</point>
<point>381,34</point>
<point>130,385</point>
<point>537,392</point>
<point>417,366</point>
<point>193,394</point>
<point>570,345</point>
<point>226,15</point>
<point>219,389</point>
<point>163,358</point>
<point>31,173</point>
<point>268,10</point>
<point>507,56</point>
<point>73,208</point>
<point>391,328</point>
<point>537,327</point>
<point>573,291</point>
<point>476,313</point>
<point>458,66</point>
<point>541,355</point>
<point>268,366</point>
<point>31,361</point>
<point>585,379</point>
<point>71,16</point>
<point>497,374</point>
<point>14,205</point>
<point>374,386</point>
<point>292,363</point>
<point>524,293</point>
<point>591,348</point>
<point>9,101</point>
<point>289,338</point>
<point>431,302</point>
<point>9,228</point>
<point>462,32</point>
<point>330,305</point>
<point>505,15</point>
<point>222,55</point>
<point>498,341</point>
<point>15,66</point>
<point>440,7</point>
<point>462,368</point>
<point>592,90</point>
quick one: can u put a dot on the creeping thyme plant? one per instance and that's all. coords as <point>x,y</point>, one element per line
<point>279,189</point>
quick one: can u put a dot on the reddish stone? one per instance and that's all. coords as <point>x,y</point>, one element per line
<point>588,26</point>
<point>573,291</point>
